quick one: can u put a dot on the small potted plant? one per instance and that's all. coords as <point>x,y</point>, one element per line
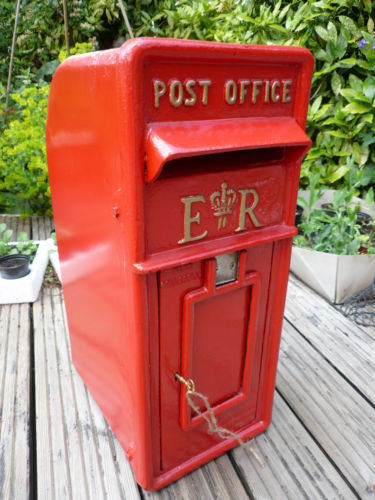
<point>15,257</point>
<point>334,251</point>
<point>22,266</point>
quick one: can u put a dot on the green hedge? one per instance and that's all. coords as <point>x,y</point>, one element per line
<point>339,33</point>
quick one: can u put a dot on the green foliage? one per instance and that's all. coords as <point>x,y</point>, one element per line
<point>23,245</point>
<point>340,34</point>
<point>23,169</point>
<point>335,229</point>
<point>79,48</point>
<point>40,33</point>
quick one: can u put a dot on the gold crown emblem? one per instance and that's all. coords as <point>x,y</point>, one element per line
<point>222,203</point>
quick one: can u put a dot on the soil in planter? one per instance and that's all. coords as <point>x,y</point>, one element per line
<point>14,266</point>
<point>51,279</point>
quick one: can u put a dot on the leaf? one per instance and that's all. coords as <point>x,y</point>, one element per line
<point>369,87</point>
<point>349,62</point>
<point>350,25</point>
<point>335,83</point>
<point>360,153</point>
<point>322,32</point>
<point>338,174</point>
<point>321,55</point>
<point>315,105</point>
<point>322,111</point>
<point>355,83</point>
<point>332,32</point>
<point>338,133</point>
<point>370,25</point>
<point>354,95</point>
<point>47,69</point>
<point>341,46</point>
<point>356,107</point>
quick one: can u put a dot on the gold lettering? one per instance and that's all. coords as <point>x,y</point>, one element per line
<point>244,210</point>
<point>243,90</point>
<point>267,91</point>
<point>230,91</point>
<point>193,96</point>
<point>286,90</point>
<point>174,99</point>
<point>159,90</point>
<point>255,93</point>
<point>275,97</point>
<point>189,219</point>
<point>205,84</point>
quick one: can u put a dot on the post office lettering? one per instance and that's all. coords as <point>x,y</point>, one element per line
<point>241,92</point>
<point>186,93</point>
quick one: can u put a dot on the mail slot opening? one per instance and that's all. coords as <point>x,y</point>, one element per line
<point>258,137</point>
<point>221,162</point>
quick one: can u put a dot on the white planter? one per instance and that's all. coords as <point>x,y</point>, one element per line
<point>26,289</point>
<point>336,277</point>
<point>54,257</point>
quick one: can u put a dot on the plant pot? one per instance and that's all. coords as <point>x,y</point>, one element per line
<point>328,209</point>
<point>336,277</point>
<point>14,266</point>
<point>26,289</point>
<point>299,212</point>
<point>364,218</point>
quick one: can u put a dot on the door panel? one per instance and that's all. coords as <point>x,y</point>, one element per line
<point>213,335</point>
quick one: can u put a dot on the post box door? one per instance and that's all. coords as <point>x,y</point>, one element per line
<point>213,335</point>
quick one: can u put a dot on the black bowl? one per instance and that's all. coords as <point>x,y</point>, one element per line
<point>14,266</point>
<point>364,218</point>
<point>299,212</point>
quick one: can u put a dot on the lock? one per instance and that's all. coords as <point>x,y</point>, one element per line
<point>226,268</point>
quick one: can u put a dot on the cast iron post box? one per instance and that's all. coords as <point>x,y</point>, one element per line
<point>174,169</point>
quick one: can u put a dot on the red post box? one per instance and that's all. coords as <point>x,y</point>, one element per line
<point>174,169</point>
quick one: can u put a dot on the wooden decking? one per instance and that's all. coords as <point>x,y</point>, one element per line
<point>55,443</point>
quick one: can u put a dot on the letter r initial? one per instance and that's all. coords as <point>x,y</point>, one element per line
<point>244,210</point>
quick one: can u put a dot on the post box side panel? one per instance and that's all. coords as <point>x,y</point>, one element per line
<point>104,299</point>
<point>277,296</point>
<point>216,361</point>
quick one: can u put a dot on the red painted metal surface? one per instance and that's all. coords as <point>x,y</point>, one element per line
<point>163,155</point>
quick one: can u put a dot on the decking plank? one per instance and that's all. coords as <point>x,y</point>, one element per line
<point>14,401</point>
<point>339,418</point>
<point>292,464</point>
<point>215,480</point>
<point>347,346</point>
<point>16,224</point>
<point>51,443</point>
<point>71,428</point>
<point>41,227</point>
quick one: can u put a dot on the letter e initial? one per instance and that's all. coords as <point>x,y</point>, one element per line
<point>244,210</point>
<point>189,219</point>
